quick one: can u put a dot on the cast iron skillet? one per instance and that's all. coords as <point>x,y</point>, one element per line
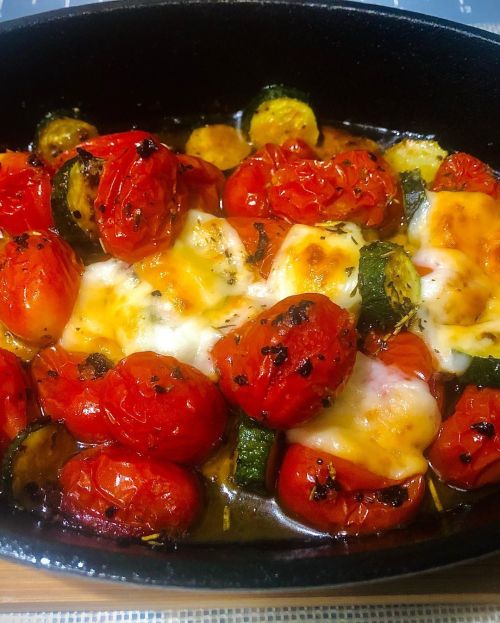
<point>127,62</point>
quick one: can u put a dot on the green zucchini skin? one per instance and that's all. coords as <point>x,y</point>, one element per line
<point>483,372</point>
<point>270,92</point>
<point>388,283</point>
<point>255,452</point>
<point>414,196</point>
<point>61,130</point>
<point>31,465</point>
<point>79,177</point>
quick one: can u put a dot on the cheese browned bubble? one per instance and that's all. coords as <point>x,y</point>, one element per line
<point>181,301</point>
<point>382,420</point>
<point>458,239</point>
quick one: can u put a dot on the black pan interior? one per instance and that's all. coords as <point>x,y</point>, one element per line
<point>130,62</point>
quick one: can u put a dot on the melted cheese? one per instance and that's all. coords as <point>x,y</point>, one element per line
<point>382,420</point>
<point>319,259</point>
<point>459,238</point>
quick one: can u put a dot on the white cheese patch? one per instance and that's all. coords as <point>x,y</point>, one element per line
<point>382,420</point>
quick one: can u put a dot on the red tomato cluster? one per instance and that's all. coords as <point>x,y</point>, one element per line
<point>355,185</point>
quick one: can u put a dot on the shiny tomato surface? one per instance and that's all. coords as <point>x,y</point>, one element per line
<point>405,350</point>
<point>337,496</point>
<point>262,239</point>
<point>114,492</point>
<point>136,210</point>
<point>466,453</point>
<point>69,389</point>
<point>14,390</point>
<point>106,146</point>
<point>356,185</point>
<point>163,408</point>
<point>281,367</point>
<point>462,172</point>
<point>25,189</point>
<point>39,282</point>
<point>199,185</point>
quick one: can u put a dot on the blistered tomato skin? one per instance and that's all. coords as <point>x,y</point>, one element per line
<point>286,364</point>
<point>106,146</point>
<point>135,206</point>
<point>199,185</point>
<point>462,172</point>
<point>25,190</point>
<point>336,496</point>
<point>356,185</point>
<point>69,390</point>
<point>466,453</point>
<point>163,408</point>
<point>14,388</point>
<point>39,281</point>
<point>113,492</point>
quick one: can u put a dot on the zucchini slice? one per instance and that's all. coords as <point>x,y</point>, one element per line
<point>31,466</point>
<point>482,371</point>
<point>256,456</point>
<point>277,114</point>
<point>221,145</point>
<point>58,132</point>
<point>388,283</point>
<point>410,154</point>
<point>414,195</point>
<point>73,192</point>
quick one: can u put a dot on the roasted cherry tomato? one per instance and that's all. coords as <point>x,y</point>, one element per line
<point>297,148</point>
<point>337,496</point>
<point>39,282</point>
<point>283,365</point>
<point>114,492</point>
<point>466,453</point>
<point>161,407</point>
<point>24,193</point>
<point>355,185</point>
<point>135,204</point>
<point>461,172</point>
<point>14,389</point>
<point>69,388</point>
<point>262,239</point>
<point>405,350</point>
<point>106,146</point>
<point>199,185</point>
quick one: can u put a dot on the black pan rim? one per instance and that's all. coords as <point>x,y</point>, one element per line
<point>197,568</point>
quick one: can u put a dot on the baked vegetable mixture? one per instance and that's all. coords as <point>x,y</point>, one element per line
<point>260,327</point>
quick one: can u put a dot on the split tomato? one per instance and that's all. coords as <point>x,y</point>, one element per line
<point>462,172</point>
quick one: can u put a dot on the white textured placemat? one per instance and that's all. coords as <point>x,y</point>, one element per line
<point>337,614</point>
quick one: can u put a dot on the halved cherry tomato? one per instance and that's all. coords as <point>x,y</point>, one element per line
<point>262,239</point>
<point>283,365</point>
<point>163,408</point>
<point>339,497</point>
<point>462,172</point>
<point>199,185</point>
<point>14,389</point>
<point>25,190</point>
<point>114,492</point>
<point>136,210</point>
<point>405,350</point>
<point>69,388</point>
<point>466,453</point>
<point>106,146</point>
<point>39,281</point>
<point>355,185</point>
